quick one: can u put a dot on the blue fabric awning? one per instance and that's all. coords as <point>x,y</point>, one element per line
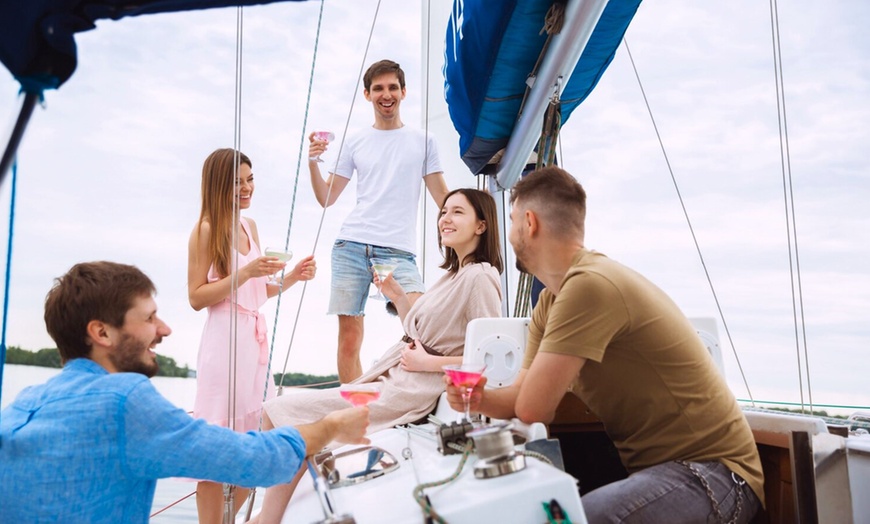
<point>37,41</point>
<point>491,49</point>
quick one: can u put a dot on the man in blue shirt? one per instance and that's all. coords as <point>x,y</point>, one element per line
<point>89,445</point>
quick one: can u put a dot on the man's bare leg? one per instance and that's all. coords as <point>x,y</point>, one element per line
<point>275,500</point>
<point>350,337</point>
<point>210,501</point>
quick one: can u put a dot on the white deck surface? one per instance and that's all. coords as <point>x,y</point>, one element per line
<point>517,497</point>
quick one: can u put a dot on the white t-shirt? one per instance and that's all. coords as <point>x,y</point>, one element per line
<point>390,168</point>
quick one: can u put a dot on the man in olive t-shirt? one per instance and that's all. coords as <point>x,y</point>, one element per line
<point>620,344</point>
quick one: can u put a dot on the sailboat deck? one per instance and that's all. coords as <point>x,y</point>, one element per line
<point>516,497</point>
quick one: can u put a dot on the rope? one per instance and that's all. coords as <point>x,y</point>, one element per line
<point>688,221</point>
<point>292,211</point>
<point>421,497</point>
<point>522,307</point>
<point>546,156</point>
<point>329,190</point>
<point>553,22</point>
<point>316,384</point>
<point>182,499</point>
<point>534,454</point>
<point>550,131</point>
<point>554,19</point>
<point>7,281</point>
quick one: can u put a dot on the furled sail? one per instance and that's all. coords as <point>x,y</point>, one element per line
<point>492,48</point>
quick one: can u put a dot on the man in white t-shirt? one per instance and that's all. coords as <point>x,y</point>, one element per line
<point>389,159</point>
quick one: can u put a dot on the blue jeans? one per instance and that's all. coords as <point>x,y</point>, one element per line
<point>352,275</point>
<point>672,493</point>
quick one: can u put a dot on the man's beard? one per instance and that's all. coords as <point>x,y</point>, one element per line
<point>519,250</point>
<point>128,357</point>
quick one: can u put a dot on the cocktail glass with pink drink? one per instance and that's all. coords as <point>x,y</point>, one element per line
<point>465,376</point>
<point>360,394</point>
<point>325,136</point>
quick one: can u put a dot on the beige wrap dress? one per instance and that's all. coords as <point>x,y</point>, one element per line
<point>438,319</point>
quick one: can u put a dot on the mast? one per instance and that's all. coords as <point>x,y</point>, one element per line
<point>581,17</point>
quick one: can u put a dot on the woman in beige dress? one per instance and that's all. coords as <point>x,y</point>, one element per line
<point>410,372</point>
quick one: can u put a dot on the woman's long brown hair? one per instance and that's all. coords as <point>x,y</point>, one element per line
<point>219,172</point>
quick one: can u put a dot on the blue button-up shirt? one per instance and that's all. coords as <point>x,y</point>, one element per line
<point>88,446</point>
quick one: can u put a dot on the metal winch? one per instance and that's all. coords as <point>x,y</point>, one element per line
<point>495,450</point>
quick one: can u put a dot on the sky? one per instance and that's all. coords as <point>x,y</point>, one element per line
<point>110,168</point>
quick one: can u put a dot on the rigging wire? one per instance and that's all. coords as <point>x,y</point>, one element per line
<point>228,490</point>
<point>688,221</point>
<point>7,280</point>
<point>788,202</point>
<point>292,211</point>
<point>425,167</point>
<point>236,225</point>
<point>329,190</point>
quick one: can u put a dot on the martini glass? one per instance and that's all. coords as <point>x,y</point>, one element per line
<point>360,394</point>
<point>326,136</point>
<point>465,376</point>
<point>283,256</point>
<point>384,267</point>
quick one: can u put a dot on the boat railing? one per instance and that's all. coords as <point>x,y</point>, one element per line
<point>858,422</point>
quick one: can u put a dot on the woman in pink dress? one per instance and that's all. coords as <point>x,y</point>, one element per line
<point>232,365</point>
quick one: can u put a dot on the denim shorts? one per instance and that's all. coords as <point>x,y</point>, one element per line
<point>352,275</point>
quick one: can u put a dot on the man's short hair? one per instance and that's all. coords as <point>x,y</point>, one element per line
<point>102,291</point>
<point>556,197</point>
<point>383,67</point>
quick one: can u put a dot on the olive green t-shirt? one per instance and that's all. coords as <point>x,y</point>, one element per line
<point>647,376</point>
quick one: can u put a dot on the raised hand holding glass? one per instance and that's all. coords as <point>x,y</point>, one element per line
<point>324,136</point>
<point>384,267</point>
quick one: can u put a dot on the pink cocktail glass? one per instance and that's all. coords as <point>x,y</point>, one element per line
<point>325,136</point>
<point>465,376</point>
<point>360,394</point>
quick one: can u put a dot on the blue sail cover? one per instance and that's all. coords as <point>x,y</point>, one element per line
<point>492,47</point>
<point>37,41</point>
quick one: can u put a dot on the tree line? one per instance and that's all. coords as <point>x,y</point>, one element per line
<point>50,358</point>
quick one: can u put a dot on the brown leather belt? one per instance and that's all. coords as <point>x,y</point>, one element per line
<point>409,340</point>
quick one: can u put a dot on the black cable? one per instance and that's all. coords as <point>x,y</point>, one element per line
<point>27,107</point>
